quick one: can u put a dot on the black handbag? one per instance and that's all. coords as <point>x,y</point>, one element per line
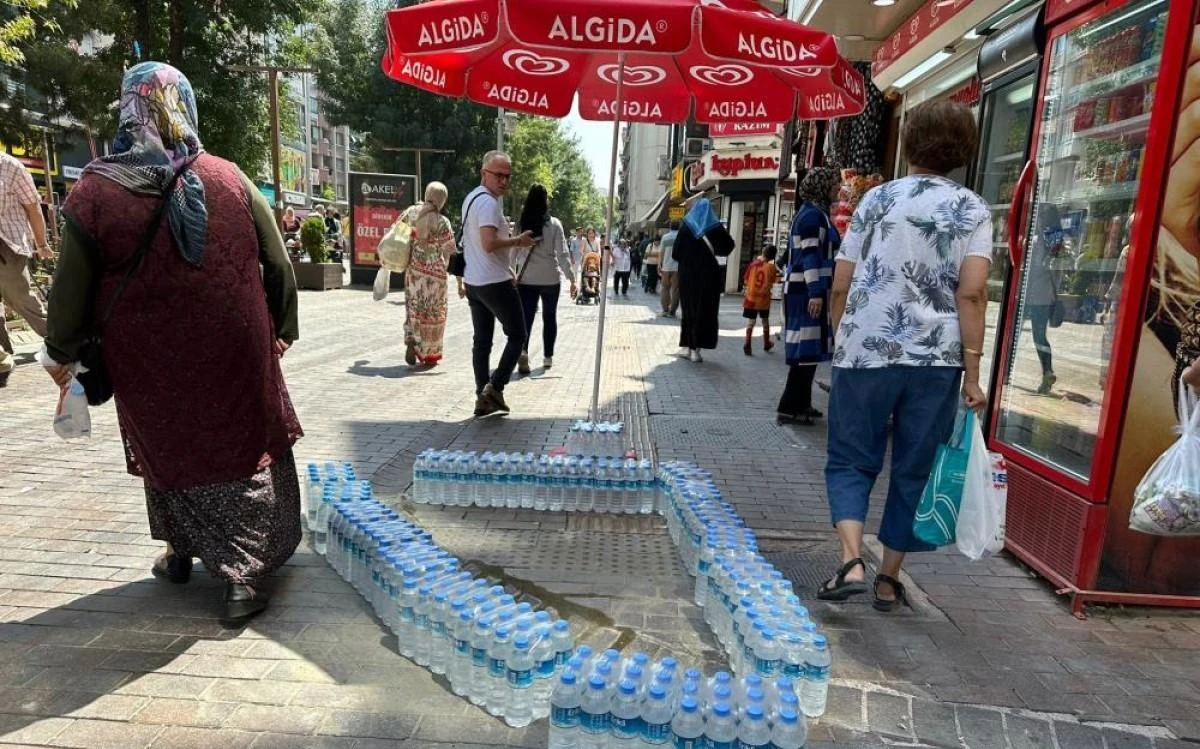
<point>93,373</point>
<point>457,264</point>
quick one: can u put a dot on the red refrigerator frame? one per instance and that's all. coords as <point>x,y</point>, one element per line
<point>1056,522</point>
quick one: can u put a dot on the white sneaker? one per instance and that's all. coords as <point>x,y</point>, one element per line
<point>548,362</point>
<point>696,357</point>
<point>523,364</point>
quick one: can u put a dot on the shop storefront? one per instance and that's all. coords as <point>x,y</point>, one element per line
<point>744,184</point>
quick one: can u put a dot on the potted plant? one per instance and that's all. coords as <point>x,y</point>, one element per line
<point>319,274</point>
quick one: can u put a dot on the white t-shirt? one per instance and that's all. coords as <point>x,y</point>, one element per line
<point>621,261</point>
<point>666,261</point>
<point>484,268</point>
<point>908,240</point>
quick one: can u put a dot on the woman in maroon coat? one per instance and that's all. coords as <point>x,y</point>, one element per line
<point>193,340</point>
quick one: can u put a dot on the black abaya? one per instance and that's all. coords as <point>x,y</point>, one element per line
<point>701,283</point>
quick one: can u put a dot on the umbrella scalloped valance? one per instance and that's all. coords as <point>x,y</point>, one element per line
<point>634,60</point>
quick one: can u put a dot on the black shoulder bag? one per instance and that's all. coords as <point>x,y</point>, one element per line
<point>95,381</point>
<point>457,264</point>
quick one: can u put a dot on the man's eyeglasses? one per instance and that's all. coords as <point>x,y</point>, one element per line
<point>502,176</point>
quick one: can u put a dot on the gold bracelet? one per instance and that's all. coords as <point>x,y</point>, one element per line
<point>972,351</point>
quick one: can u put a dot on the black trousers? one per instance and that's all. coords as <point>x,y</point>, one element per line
<point>1039,317</point>
<point>621,282</point>
<point>797,393</point>
<point>548,295</point>
<point>650,279</point>
<point>489,303</point>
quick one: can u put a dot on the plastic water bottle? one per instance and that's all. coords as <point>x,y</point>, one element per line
<point>815,690</point>
<point>545,663</point>
<point>519,712</point>
<point>564,712</point>
<point>564,643</point>
<point>497,698</point>
<point>789,731</point>
<point>593,714</point>
<point>321,534</point>
<point>541,487</point>
<point>687,727</point>
<point>720,730</point>
<point>625,715</point>
<point>73,421</point>
<point>312,496</point>
<point>574,481</point>
<point>481,638</point>
<point>753,731</point>
<point>656,717</point>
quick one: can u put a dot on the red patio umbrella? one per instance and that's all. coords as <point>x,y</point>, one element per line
<point>653,61</point>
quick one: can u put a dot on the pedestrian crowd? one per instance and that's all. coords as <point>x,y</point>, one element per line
<point>174,294</point>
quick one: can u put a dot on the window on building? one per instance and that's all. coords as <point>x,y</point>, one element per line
<point>341,192</point>
<point>316,190</point>
<point>328,162</point>
<point>313,105</point>
<point>341,165</point>
<point>316,133</point>
<point>340,138</point>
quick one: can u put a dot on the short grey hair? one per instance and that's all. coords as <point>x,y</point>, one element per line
<point>492,155</point>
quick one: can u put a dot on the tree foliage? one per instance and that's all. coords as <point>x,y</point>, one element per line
<point>393,115</point>
<point>74,63</point>
<point>21,22</point>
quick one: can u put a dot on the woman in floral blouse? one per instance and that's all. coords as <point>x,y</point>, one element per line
<point>908,301</point>
<point>425,279</point>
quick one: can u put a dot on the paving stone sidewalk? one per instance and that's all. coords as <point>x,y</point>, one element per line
<point>94,652</point>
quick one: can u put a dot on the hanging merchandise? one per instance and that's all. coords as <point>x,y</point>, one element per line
<point>866,130</point>
<point>854,186</point>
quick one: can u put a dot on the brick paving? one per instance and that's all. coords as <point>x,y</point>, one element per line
<point>94,652</point>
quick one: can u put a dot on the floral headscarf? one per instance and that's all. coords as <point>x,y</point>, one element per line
<point>156,137</point>
<point>817,184</point>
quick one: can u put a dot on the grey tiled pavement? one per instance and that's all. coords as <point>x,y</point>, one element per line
<point>95,653</point>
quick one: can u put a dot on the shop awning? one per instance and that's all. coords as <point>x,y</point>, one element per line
<point>657,214</point>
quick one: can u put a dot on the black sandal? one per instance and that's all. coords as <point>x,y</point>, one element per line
<point>883,604</point>
<point>838,588</point>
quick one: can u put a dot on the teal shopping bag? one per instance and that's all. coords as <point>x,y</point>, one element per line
<point>937,514</point>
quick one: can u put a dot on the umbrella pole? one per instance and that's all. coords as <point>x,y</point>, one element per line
<point>612,195</point>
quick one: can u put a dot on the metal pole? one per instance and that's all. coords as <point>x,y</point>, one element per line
<point>51,208</point>
<point>273,82</point>
<point>612,195</point>
<point>420,181</point>
<point>500,129</point>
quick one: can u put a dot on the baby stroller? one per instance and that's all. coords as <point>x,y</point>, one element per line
<point>589,288</point>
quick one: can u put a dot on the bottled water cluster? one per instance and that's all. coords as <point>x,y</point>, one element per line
<point>597,439</point>
<point>604,701</point>
<point>499,653</point>
<point>748,604</point>
<point>534,482</point>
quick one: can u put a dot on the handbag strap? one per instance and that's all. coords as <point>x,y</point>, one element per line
<point>135,262</point>
<point>463,225</point>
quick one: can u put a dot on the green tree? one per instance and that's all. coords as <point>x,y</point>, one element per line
<point>22,20</point>
<point>74,63</point>
<point>543,152</point>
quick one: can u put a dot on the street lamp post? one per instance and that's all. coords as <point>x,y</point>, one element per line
<point>273,72</point>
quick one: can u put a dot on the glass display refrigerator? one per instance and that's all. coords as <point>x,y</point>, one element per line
<point>1103,304</point>
<point>1009,62</point>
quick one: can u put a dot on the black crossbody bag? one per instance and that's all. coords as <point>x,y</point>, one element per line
<point>457,264</point>
<point>96,381</point>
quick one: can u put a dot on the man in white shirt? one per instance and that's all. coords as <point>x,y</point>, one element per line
<point>668,271</point>
<point>491,282</point>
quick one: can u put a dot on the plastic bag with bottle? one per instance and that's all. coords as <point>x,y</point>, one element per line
<point>72,419</point>
<point>1166,501</point>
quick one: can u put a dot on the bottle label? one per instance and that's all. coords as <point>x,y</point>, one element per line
<point>462,647</point>
<point>438,628</point>
<point>564,717</point>
<point>522,679</point>
<point>421,620</point>
<point>682,743</point>
<point>479,657</point>
<point>766,667</point>
<point>656,733</point>
<point>593,722</point>
<point>561,657</point>
<point>793,670</point>
<point>744,745</point>
<point>722,744</point>
<point>818,673</point>
<point>496,667</point>
<point>545,669</point>
<point>626,728</point>
<point>406,613</point>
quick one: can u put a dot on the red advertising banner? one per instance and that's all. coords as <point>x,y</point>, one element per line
<point>735,129</point>
<point>1056,9</point>
<point>376,201</point>
<point>918,26</point>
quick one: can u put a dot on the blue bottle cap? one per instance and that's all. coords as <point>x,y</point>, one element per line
<point>721,709</point>
<point>597,682</point>
<point>657,693</point>
<point>568,677</point>
<point>787,715</point>
<point>627,687</point>
<point>689,705</point>
<point>754,712</point>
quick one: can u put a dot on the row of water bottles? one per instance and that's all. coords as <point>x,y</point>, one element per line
<point>528,481</point>
<point>748,604</point>
<point>603,439</point>
<point>606,701</point>
<point>498,652</point>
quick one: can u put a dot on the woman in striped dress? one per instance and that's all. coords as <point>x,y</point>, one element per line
<point>812,243</point>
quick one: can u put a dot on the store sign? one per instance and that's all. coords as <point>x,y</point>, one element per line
<point>738,129</point>
<point>376,201</point>
<point>968,94</point>
<point>677,182</point>
<point>918,26</point>
<point>675,213</point>
<point>72,172</point>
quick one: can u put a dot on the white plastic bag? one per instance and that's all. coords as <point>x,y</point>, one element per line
<point>1166,501</point>
<point>383,282</point>
<point>981,515</point>
<point>72,419</point>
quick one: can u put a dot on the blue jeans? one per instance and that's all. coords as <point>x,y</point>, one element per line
<point>922,402</point>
